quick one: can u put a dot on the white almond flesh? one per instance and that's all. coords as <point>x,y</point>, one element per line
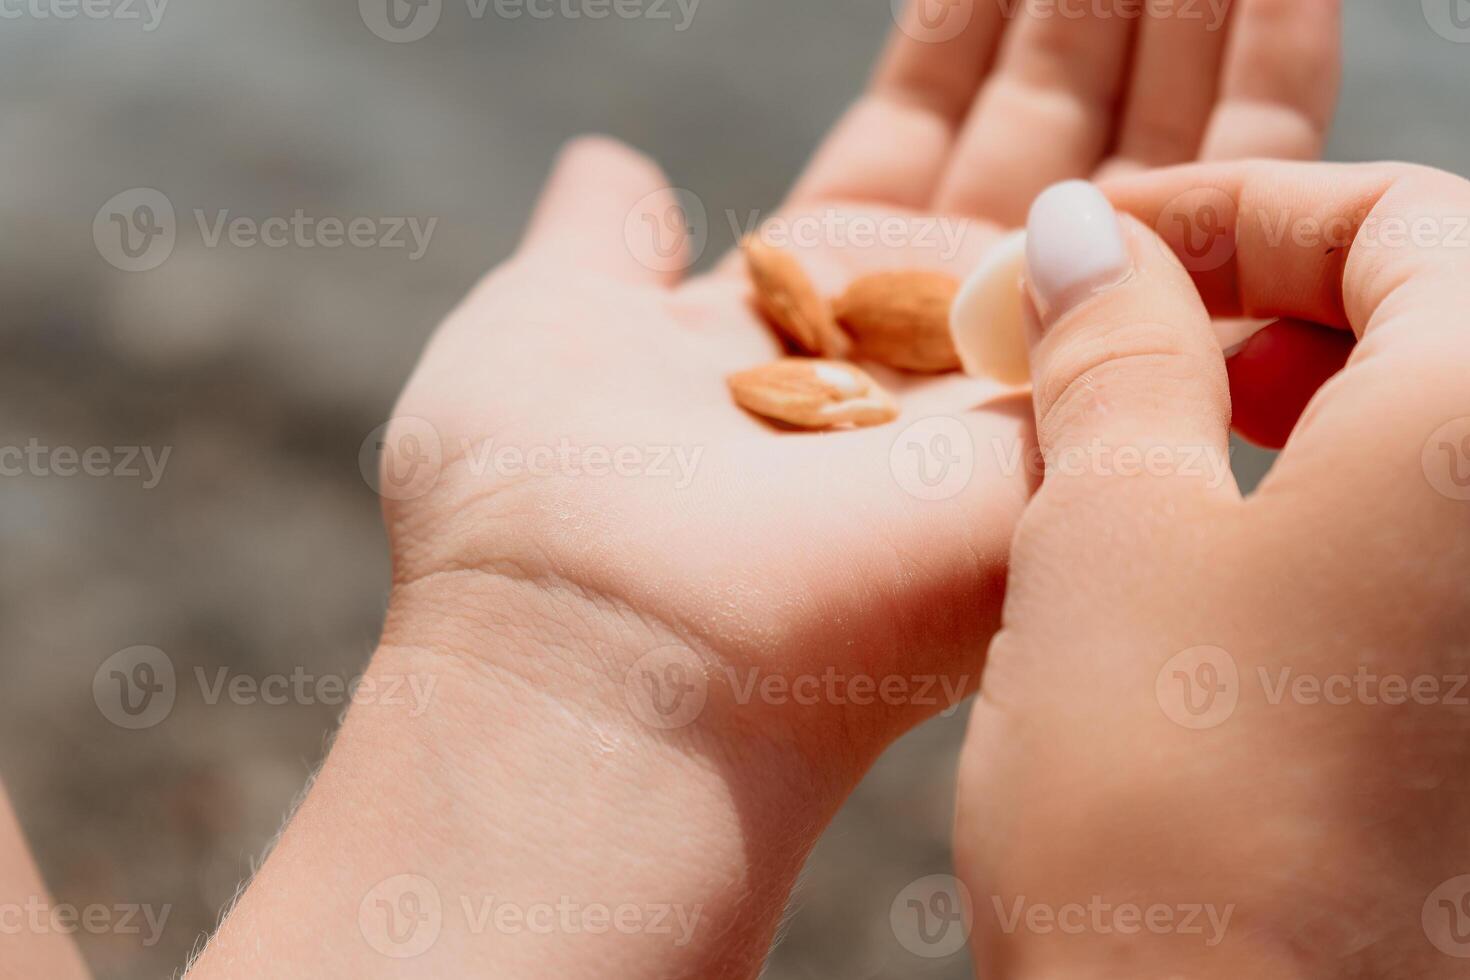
<point>987,321</point>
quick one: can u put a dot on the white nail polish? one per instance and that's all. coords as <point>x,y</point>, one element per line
<point>1074,248</point>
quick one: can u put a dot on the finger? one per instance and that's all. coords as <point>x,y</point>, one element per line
<point>938,54</point>
<point>890,147</point>
<point>608,210</point>
<point>1383,249</point>
<point>1045,115</point>
<point>1171,93</point>
<point>1326,243</point>
<point>1277,372</point>
<point>1127,374</point>
<point>1280,81</point>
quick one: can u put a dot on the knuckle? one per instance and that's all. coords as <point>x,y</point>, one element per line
<point>1088,377</point>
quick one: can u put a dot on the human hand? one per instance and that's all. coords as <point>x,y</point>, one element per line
<point>788,558</point>
<point>820,560</point>
<point>1225,737</point>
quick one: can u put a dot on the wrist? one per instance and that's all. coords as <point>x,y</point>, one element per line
<point>547,826</point>
<point>591,671</point>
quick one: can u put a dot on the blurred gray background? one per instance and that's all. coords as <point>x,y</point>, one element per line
<point>263,370</point>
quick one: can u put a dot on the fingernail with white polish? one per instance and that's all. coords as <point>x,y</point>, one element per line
<point>1074,248</point>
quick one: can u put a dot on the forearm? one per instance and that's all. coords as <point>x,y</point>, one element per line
<point>502,827</point>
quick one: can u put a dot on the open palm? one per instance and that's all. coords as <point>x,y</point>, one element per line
<point>591,452</point>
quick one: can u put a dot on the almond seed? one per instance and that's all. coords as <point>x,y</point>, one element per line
<point>813,394</point>
<point>785,295</point>
<point>902,319</point>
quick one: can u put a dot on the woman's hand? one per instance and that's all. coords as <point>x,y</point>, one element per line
<point>1226,737</point>
<point>765,554</point>
<point>655,688</point>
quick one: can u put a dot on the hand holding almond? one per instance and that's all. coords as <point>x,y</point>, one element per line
<point>1234,732</point>
<point>596,734</point>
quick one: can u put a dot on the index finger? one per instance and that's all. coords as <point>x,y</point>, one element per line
<point>1327,243</point>
<point>1381,249</point>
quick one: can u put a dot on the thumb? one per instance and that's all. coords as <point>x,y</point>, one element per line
<point>608,210</point>
<point>1128,377</point>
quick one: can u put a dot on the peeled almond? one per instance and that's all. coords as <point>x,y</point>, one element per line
<point>901,319</point>
<point>786,296</point>
<point>987,322</point>
<point>813,394</point>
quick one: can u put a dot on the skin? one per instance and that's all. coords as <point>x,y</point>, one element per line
<point>1291,775</point>
<point>25,950</point>
<point>533,601</point>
